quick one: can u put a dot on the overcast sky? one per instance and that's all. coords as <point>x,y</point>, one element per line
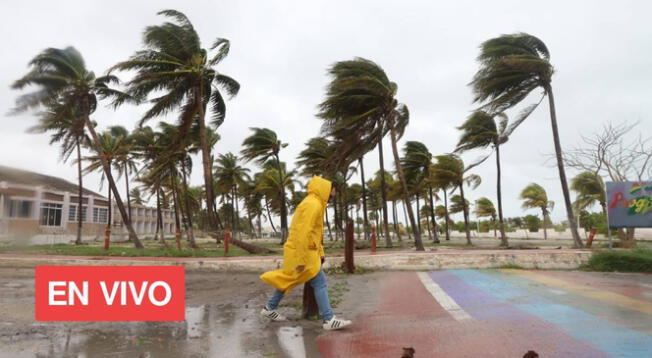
<point>280,51</point>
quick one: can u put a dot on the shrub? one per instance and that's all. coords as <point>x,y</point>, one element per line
<point>637,260</point>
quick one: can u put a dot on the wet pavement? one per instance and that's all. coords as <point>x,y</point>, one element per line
<point>453,313</point>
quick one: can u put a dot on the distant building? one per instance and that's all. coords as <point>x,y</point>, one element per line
<point>143,220</point>
<point>33,204</point>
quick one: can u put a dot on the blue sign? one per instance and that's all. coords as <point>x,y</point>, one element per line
<point>629,204</point>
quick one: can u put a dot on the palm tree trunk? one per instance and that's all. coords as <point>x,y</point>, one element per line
<point>395,219</point>
<point>80,201</point>
<point>562,173</point>
<point>112,186</point>
<point>432,215</point>
<point>159,235</point>
<point>175,201</point>
<point>108,225</point>
<point>383,191</point>
<point>191,233</point>
<point>284,209</point>
<point>501,223</point>
<point>418,213</point>
<point>493,222</point>
<point>428,228</point>
<point>237,212</point>
<point>365,224</point>
<point>269,216</point>
<point>466,215</point>
<point>206,158</point>
<point>260,227</point>
<point>336,220</point>
<point>448,233</point>
<point>399,168</point>
<point>405,216</point>
<point>128,195</point>
<point>545,225</point>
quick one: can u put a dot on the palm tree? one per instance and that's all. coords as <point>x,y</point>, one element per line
<point>534,196</point>
<point>417,161</point>
<point>449,171</point>
<point>359,109</point>
<point>67,129</point>
<point>62,77</point>
<point>136,196</point>
<point>485,208</point>
<point>125,164</point>
<point>590,190</point>
<point>231,175</point>
<point>441,211</point>
<point>112,147</point>
<point>511,67</point>
<point>262,146</point>
<point>173,62</point>
<point>482,130</point>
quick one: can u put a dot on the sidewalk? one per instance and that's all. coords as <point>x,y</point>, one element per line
<point>395,260</point>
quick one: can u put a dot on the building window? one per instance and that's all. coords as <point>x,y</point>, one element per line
<point>18,209</point>
<point>100,215</point>
<point>72,213</point>
<point>51,214</point>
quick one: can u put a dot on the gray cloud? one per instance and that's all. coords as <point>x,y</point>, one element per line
<point>281,49</point>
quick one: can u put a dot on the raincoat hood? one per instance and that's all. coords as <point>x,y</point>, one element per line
<point>320,187</point>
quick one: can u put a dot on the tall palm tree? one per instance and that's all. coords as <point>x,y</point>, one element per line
<point>441,211</point>
<point>111,147</point>
<point>359,109</point>
<point>481,130</point>
<point>534,196</point>
<point>417,161</point>
<point>485,208</point>
<point>173,62</point>
<point>62,77</point>
<point>231,175</point>
<point>590,190</point>
<point>449,172</point>
<point>511,67</point>
<point>262,146</point>
<point>67,128</point>
<point>125,164</point>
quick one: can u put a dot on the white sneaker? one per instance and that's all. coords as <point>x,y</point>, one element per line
<point>336,323</point>
<point>272,315</point>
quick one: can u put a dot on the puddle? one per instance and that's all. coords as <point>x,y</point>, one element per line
<point>210,330</point>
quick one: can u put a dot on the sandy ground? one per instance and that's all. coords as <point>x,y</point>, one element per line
<point>221,321</point>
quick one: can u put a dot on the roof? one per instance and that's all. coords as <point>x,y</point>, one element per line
<point>25,177</point>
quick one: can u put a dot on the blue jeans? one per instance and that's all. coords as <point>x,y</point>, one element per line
<point>320,287</point>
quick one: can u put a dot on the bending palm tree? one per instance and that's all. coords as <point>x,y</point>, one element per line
<point>68,129</point>
<point>590,190</point>
<point>449,171</point>
<point>534,196</point>
<point>416,162</point>
<point>263,146</point>
<point>511,67</point>
<point>485,208</point>
<point>480,131</point>
<point>359,109</point>
<point>173,62</point>
<point>62,77</point>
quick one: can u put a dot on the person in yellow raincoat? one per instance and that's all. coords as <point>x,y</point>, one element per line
<point>303,255</point>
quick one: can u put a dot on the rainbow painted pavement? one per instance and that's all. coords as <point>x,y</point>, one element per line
<point>503,313</point>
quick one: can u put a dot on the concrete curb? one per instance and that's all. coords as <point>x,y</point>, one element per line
<point>409,261</point>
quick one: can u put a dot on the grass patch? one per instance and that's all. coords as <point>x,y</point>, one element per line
<point>510,266</point>
<point>152,249</point>
<point>336,292</point>
<point>637,260</point>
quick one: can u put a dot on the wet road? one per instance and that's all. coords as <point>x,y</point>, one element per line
<point>504,313</point>
<point>455,313</point>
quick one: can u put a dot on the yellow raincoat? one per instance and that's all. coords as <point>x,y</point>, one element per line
<point>304,243</point>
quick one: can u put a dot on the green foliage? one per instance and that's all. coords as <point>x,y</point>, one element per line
<point>590,190</point>
<point>637,260</point>
<point>532,223</point>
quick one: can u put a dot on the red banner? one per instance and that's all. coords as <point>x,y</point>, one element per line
<point>110,293</point>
